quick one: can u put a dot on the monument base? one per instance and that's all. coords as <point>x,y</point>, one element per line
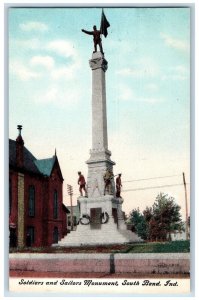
<point>101,223</point>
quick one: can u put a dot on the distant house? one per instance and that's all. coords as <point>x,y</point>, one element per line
<point>37,215</point>
<point>178,235</point>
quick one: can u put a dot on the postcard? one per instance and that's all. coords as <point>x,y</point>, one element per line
<point>99,149</point>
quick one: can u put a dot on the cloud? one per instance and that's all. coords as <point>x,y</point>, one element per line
<point>127,94</point>
<point>51,95</point>
<point>143,68</point>
<point>150,100</point>
<point>180,68</point>
<point>174,77</point>
<point>45,61</point>
<point>23,72</point>
<point>56,85</point>
<point>50,61</point>
<point>174,43</point>
<point>179,72</point>
<point>24,45</point>
<point>64,72</point>
<point>33,26</point>
<point>58,95</point>
<point>62,47</point>
<point>151,87</point>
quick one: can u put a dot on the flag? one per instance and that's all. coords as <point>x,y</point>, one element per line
<point>104,25</point>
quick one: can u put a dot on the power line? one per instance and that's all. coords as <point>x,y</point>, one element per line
<point>152,187</point>
<point>151,178</point>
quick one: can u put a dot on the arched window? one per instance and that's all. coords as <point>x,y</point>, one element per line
<point>31,201</point>
<point>55,205</point>
<point>55,235</point>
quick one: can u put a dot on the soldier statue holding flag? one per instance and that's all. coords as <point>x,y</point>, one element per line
<point>97,33</point>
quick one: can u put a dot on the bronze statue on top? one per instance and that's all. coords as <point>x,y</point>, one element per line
<point>96,38</point>
<point>97,33</point>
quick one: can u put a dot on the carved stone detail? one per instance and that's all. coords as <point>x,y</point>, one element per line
<point>97,63</point>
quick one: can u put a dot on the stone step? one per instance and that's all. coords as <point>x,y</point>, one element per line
<point>107,234</point>
<point>130,235</point>
<point>95,235</point>
<point>98,237</point>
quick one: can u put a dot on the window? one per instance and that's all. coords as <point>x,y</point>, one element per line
<point>10,196</point>
<point>31,201</point>
<point>55,205</point>
<point>55,235</point>
<point>30,238</point>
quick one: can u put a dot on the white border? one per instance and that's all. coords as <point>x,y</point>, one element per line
<point>3,119</point>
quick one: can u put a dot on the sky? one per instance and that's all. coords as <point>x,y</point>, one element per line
<point>147,93</point>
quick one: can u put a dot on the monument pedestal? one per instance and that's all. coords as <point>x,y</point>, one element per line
<point>101,223</point>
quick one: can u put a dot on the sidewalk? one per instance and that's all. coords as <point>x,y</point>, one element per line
<point>92,275</point>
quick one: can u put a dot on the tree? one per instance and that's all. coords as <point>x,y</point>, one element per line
<point>148,215</point>
<point>157,222</point>
<point>139,224</point>
<point>165,217</point>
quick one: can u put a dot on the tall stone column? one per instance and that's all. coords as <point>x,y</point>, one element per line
<point>101,216</point>
<point>99,159</point>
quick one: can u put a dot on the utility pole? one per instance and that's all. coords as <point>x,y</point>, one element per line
<point>186,206</point>
<point>70,193</point>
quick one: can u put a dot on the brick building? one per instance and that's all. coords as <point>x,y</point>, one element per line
<point>37,215</point>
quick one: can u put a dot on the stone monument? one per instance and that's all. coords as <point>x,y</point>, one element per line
<point>101,216</point>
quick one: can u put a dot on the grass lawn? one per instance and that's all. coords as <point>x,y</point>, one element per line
<point>159,247</point>
<point>152,247</point>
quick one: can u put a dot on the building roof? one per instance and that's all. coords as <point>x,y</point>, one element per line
<point>31,164</point>
<point>29,159</point>
<point>45,166</point>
